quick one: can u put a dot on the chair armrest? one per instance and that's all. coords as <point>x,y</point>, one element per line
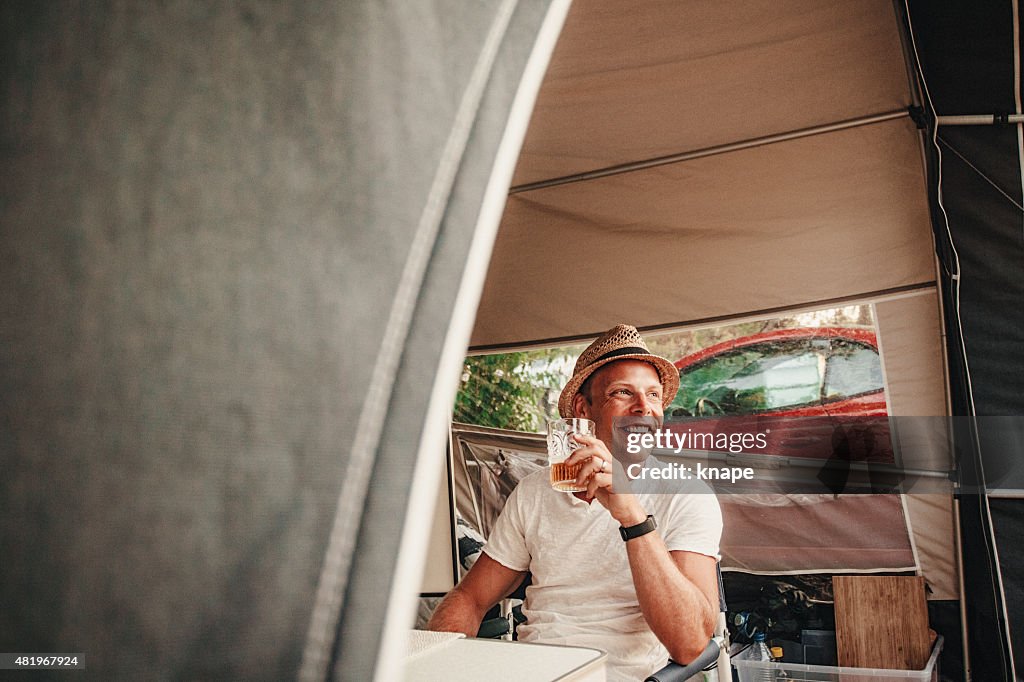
<point>676,672</point>
<point>494,628</point>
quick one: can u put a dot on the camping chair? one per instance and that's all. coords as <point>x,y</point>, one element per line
<point>718,648</point>
<point>676,672</point>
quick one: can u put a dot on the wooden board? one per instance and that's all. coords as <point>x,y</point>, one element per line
<point>881,622</point>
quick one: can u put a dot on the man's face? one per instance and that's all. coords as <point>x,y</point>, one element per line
<point>630,390</point>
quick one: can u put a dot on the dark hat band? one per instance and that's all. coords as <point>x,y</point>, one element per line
<point>628,350</point>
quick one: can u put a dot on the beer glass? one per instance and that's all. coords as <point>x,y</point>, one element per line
<point>560,445</point>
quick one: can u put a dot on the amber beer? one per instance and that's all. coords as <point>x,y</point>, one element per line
<point>563,477</point>
<point>561,444</point>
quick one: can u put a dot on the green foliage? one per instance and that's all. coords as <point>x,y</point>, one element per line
<point>513,390</point>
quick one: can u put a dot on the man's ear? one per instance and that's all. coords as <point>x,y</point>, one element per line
<point>580,406</point>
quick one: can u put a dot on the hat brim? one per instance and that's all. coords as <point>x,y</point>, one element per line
<point>667,372</point>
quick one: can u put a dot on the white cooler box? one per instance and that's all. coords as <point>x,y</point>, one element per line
<point>759,671</point>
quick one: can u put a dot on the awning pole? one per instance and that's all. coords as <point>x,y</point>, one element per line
<point>979,119</point>
<point>959,556</point>
<point>712,151</point>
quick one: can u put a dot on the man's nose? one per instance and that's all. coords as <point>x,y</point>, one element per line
<point>643,405</point>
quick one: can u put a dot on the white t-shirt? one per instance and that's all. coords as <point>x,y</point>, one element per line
<point>582,592</point>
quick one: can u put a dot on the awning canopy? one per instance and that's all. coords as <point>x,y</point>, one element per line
<point>711,163</point>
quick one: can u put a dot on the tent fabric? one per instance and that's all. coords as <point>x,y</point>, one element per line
<point>1008,524</point>
<point>910,337</point>
<point>439,562</point>
<point>720,229</point>
<point>426,382</point>
<point>969,60</point>
<point>931,519</point>
<point>208,212</point>
<point>626,84</point>
<point>817,534</point>
<point>715,236</point>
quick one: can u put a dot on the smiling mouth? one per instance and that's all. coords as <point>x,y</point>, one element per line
<point>639,426</point>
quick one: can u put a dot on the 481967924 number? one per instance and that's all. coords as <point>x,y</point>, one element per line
<point>41,661</point>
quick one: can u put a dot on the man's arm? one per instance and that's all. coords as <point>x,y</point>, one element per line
<point>464,606</point>
<point>678,594</point>
<point>677,591</point>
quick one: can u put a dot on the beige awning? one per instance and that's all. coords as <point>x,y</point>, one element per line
<point>695,223</point>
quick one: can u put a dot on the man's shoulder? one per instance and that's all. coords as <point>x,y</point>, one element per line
<point>536,478</point>
<point>533,484</point>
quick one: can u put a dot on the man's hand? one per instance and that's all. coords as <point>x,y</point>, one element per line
<point>596,473</point>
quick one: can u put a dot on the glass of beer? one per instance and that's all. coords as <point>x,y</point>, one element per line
<point>561,444</point>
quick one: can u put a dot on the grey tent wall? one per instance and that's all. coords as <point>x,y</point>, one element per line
<point>362,622</point>
<point>966,52</point>
<point>1008,523</point>
<point>205,212</point>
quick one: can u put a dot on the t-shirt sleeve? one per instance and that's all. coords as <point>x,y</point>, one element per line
<point>507,541</point>
<point>694,525</point>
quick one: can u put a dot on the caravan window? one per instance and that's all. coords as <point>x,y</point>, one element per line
<point>853,369</point>
<point>762,377</point>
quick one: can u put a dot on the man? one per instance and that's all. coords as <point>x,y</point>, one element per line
<point>642,594</point>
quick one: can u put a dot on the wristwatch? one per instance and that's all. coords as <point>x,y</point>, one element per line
<point>642,528</point>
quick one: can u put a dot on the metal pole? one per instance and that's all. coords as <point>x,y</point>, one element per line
<point>712,151</point>
<point>979,119</point>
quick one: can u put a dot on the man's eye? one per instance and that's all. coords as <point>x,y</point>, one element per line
<point>654,395</point>
<point>621,391</point>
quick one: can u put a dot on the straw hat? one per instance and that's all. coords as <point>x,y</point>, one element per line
<point>621,342</point>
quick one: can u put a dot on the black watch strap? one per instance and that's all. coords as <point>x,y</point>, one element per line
<point>642,528</point>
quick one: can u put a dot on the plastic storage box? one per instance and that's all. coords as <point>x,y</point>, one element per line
<point>757,671</point>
